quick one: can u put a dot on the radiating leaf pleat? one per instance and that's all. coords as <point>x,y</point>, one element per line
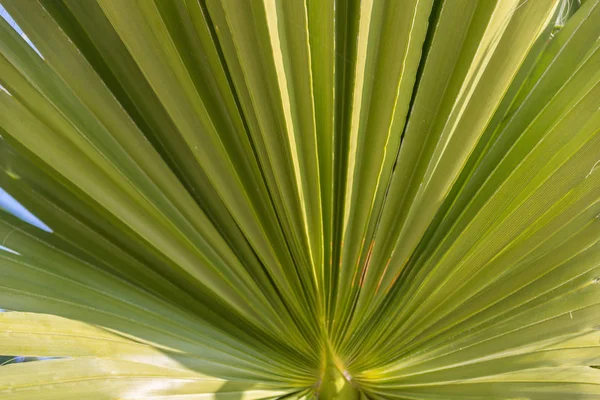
<point>100,379</point>
<point>301,199</point>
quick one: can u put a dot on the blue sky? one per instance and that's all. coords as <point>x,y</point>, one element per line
<point>16,27</point>
<point>7,202</point>
<point>11,21</point>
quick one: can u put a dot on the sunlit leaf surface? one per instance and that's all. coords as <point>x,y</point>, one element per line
<point>300,199</point>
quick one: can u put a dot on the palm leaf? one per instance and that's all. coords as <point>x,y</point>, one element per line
<point>301,199</point>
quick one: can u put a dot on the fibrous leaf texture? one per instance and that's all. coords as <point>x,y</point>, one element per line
<point>300,199</point>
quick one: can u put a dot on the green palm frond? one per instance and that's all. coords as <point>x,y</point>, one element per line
<point>300,199</point>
